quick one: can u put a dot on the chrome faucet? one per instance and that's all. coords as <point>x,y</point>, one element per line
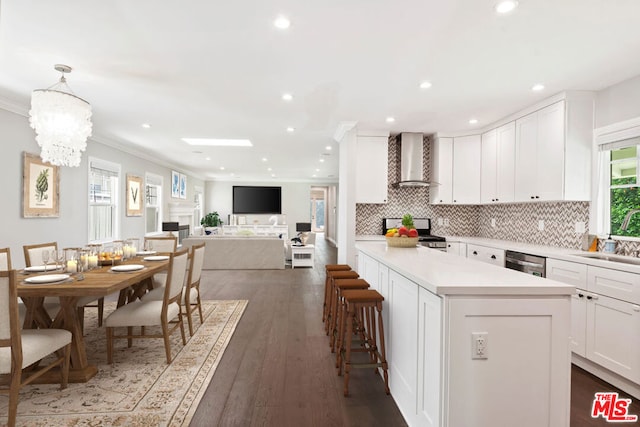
<point>627,218</point>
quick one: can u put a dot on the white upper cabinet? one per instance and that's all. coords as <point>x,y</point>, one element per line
<point>553,151</point>
<point>372,165</point>
<point>466,169</point>
<point>441,190</point>
<point>498,164</point>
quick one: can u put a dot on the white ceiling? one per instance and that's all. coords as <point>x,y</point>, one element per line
<point>197,68</point>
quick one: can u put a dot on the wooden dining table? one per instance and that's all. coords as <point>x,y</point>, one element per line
<point>98,282</point>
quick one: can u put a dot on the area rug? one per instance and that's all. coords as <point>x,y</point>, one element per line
<point>140,388</point>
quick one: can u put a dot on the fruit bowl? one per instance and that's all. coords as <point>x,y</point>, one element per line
<point>402,242</point>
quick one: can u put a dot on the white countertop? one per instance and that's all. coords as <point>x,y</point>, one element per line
<point>572,255</point>
<point>447,274</point>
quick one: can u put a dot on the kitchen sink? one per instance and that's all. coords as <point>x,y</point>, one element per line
<point>612,258</point>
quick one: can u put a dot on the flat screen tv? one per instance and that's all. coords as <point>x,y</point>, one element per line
<point>257,200</point>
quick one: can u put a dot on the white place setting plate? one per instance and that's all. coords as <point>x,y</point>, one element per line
<point>156,258</point>
<point>142,253</point>
<point>46,278</point>
<point>127,267</point>
<point>40,268</point>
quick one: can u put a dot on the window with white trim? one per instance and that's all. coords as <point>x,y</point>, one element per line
<point>153,206</point>
<point>619,187</point>
<point>104,178</point>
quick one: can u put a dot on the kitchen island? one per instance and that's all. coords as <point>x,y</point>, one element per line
<point>468,343</point>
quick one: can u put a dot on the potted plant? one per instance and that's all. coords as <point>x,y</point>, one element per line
<point>212,219</point>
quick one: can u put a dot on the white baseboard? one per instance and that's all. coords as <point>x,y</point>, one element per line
<point>603,373</point>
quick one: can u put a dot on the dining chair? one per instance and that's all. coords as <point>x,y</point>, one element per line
<point>20,349</point>
<point>161,243</point>
<point>191,290</point>
<point>5,259</point>
<point>33,256</point>
<point>148,312</point>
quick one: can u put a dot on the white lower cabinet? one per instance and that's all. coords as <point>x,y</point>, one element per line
<point>457,248</point>
<point>612,330</point>
<point>486,254</point>
<point>403,343</point>
<point>429,355</point>
<point>604,330</point>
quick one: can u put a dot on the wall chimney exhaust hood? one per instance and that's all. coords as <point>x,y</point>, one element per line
<point>411,168</point>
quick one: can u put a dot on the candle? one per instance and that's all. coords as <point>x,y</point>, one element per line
<point>72,266</point>
<point>93,261</point>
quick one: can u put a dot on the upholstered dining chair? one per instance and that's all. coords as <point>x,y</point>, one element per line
<point>191,290</point>
<point>20,349</point>
<point>5,265</point>
<point>148,312</point>
<point>161,243</point>
<point>33,256</point>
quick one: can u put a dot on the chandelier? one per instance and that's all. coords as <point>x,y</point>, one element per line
<point>62,122</point>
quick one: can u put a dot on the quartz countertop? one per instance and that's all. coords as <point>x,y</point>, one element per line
<point>565,254</point>
<point>447,274</point>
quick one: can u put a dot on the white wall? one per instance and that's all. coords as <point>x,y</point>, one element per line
<point>70,229</point>
<point>618,102</point>
<point>296,199</point>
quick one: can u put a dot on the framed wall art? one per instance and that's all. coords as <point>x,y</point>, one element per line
<point>40,187</point>
<point>175,184</point>
<point>183,186</point>
<point>134,195</point>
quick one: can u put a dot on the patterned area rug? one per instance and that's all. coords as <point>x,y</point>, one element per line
<point>139,389</point>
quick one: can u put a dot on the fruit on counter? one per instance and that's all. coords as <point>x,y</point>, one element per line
<point>407,221</point>
<point>403,231</point>
<point>391,232</point>
<point>413,233</point>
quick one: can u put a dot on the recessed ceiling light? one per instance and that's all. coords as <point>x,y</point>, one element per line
<point>221,168</point>
<point>207,158</point>
<point>264,159</point>
<point>282,22</point>
<point>146,125</point>
<point>273,175</point>
<point>317,170</point>
<point>321,160</point>
<point>473,121</point>
<point>269,169</point>
<point>216,142</point>
<point>290,129</point>
<point>537,87</point>
<point>390,119</point>
<point>328,147</point>
<point>313,176</point>
<point>425,85</point>
<point>506,6</point>
<point>287,97</point>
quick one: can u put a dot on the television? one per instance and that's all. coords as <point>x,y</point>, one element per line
<point>257,200</point>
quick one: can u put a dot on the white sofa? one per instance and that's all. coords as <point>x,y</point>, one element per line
<point>240,252</point>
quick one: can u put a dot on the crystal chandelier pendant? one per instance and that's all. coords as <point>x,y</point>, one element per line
<point>62,122</point>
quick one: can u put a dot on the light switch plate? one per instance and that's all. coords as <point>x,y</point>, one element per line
<point>541,225</point>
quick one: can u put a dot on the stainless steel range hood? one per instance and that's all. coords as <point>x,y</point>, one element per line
<point>411,169</point>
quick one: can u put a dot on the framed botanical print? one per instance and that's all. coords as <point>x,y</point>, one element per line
<point>175,184</point>
<point>134,195</point>
<point>183,186</point>
<point>40,187</point>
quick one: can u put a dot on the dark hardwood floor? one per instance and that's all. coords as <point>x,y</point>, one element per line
<point>278,369</point>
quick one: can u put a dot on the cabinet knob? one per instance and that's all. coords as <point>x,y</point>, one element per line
<point>537,197</point>
<point>475,253</point>
<point>497,200</point>
<point>493,257</point>
<point>580,295</point>
<point>532,197</point>
<point>454,201</point>
<point>440,200</point>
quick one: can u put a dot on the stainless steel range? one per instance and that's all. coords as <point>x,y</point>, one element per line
<point>423,225</point>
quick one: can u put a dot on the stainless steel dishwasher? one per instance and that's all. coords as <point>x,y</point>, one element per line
<point>530,264</point>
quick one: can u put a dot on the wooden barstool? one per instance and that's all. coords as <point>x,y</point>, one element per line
<point>340,285</point>
<point>333,276</point>
<point>327,285</point>
<point>369,303</point>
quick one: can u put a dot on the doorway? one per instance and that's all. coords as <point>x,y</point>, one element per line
<point>318,209</point>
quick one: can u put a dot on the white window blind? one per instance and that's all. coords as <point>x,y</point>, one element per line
<point>103,200</point>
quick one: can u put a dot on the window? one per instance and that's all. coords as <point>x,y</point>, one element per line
<point>103,200</point>
<point>624,194</point>
<point>153,205</point>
